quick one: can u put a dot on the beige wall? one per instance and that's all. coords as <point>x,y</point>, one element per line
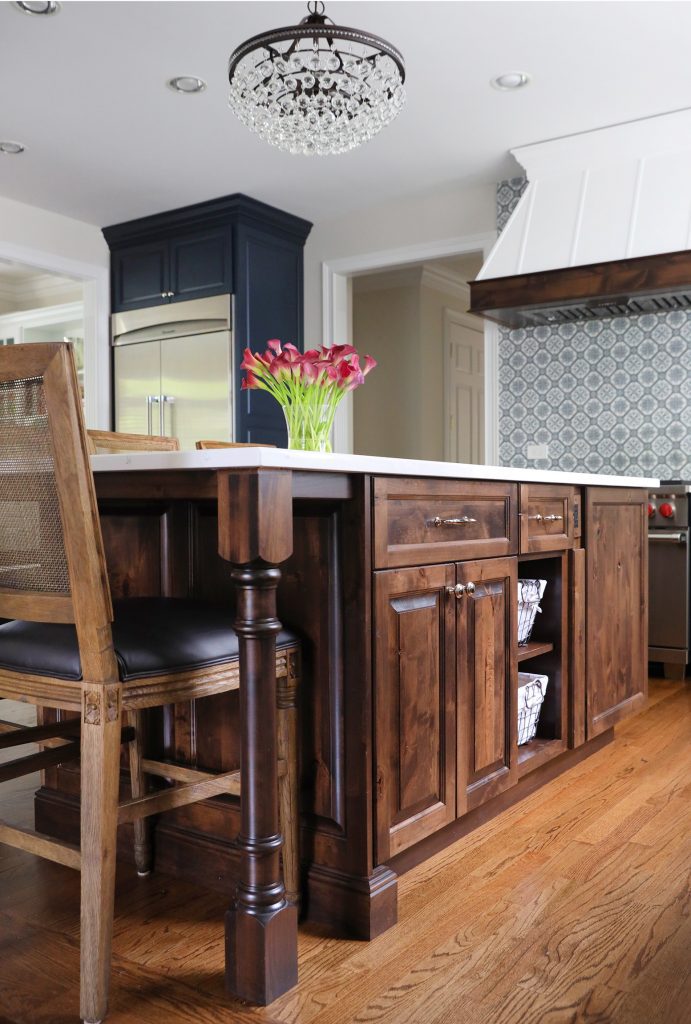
<point>385,413</point>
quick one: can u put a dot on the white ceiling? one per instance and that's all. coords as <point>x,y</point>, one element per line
<point>107,141</point>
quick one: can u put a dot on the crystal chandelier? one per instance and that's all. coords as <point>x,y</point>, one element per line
<point>316,87</point>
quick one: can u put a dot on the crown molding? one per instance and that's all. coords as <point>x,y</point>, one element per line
<point>445,281</point>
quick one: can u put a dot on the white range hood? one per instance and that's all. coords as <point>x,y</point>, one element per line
<point>604,195</point>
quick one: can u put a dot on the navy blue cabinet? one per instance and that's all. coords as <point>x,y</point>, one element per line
<point>186,266</point>
<point>140,276</point>
<point>231,245</point>
<point>200,264</point>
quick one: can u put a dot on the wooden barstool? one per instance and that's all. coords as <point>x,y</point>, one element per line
<point>68,647</point>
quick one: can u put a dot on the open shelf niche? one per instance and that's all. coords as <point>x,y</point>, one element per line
<point>545,653</point>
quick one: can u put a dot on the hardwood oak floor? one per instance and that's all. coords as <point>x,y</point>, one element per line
<point>572,906</point>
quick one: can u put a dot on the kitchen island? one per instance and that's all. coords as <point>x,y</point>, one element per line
<point>401,578</point>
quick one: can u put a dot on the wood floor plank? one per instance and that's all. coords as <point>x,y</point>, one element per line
<point>572,907</point>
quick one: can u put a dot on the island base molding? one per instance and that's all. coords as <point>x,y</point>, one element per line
<point>356,908</point>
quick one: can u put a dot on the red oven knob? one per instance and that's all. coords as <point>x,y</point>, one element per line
<point>651,510</point>
<point>667,510</point>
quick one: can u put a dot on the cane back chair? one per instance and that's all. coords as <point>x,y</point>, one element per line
<point>64,648</point>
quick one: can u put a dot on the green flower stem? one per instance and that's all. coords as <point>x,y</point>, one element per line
<point>309,409</point>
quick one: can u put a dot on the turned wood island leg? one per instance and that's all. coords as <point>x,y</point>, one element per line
<point>255,533</point>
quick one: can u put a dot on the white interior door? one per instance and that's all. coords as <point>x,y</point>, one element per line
<point>464,388</point>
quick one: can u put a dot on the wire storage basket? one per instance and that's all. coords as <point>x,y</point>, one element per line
<point>529,596</point>
<point>531,694</point>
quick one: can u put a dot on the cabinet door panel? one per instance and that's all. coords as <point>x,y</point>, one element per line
<point>577,648</point>
<point>487,681</point>
<point>617,597</point>
<point>200,264</point>
<point>140,276</point>
<point>415,722</point>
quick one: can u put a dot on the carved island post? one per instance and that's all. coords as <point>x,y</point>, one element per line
<point>255,534</point>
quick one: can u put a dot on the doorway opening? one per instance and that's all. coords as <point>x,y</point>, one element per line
<point>426,398</point>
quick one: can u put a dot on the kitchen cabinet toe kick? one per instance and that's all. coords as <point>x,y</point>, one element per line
<point>408,701</point>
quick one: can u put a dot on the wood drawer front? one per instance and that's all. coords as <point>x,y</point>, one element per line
<point>546,517</point>
<point>404,520</point>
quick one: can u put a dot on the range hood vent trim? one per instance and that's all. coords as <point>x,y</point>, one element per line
<point>644,284</point>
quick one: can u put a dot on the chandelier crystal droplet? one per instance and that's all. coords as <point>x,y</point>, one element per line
<point>316,88</point>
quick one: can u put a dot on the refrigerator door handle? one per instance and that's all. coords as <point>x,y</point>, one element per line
<point>150,399</point>
<point>165,400</point>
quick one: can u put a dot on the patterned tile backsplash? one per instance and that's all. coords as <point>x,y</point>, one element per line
<point>509,192</point>
<point>605,396</point>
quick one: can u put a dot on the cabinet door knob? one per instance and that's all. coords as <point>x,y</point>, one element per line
<point>171,294</point>
<point>470,588</point>
<point>553,519</point>
<point>458,591</point>
<point>164,295</point>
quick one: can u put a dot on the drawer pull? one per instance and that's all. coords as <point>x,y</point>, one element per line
<point>546,519</point>
<point>461,521</point>
<point>460,589</point>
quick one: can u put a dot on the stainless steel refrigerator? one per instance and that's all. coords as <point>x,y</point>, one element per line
<point>173,370</point>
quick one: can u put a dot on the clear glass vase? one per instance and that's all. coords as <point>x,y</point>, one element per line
<point>309,431</point>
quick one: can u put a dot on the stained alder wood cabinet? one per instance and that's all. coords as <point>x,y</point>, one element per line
<point>415,723</point>
<point>616,610</point>
<point>446,654</point>
<point>445,699</point>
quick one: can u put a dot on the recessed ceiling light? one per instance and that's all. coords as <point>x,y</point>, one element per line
<point>11,148</point>
<point>188,84</point>
<point>37,6</point>
<point>510,80</point>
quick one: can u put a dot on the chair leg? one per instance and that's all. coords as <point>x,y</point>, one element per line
<point>142,828</point>
<point>289,813</point>
<point>100,771</point>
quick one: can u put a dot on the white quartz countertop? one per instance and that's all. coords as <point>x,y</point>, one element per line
<point>282,458</point>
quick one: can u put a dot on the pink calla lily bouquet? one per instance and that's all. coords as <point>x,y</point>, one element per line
<point>308,386</point>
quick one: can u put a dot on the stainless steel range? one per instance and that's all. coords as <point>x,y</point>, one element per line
<point>670,577</point>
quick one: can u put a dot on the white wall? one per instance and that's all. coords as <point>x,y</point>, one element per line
<point>32,228</point>
<point>449,213</point>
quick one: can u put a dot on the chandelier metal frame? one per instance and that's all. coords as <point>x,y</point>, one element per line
<point>316,26</point>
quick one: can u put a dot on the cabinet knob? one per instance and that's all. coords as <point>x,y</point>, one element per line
<point>164,295</point>
<point>171,294</point>
<point>460,589</point>
<point>470,588</point>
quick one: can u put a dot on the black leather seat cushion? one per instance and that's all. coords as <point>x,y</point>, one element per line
<point>151,636</point>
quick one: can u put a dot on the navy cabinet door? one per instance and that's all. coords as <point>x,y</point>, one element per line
<point>268,305</point>
<point>200,264</point>
<point>140,276</point>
